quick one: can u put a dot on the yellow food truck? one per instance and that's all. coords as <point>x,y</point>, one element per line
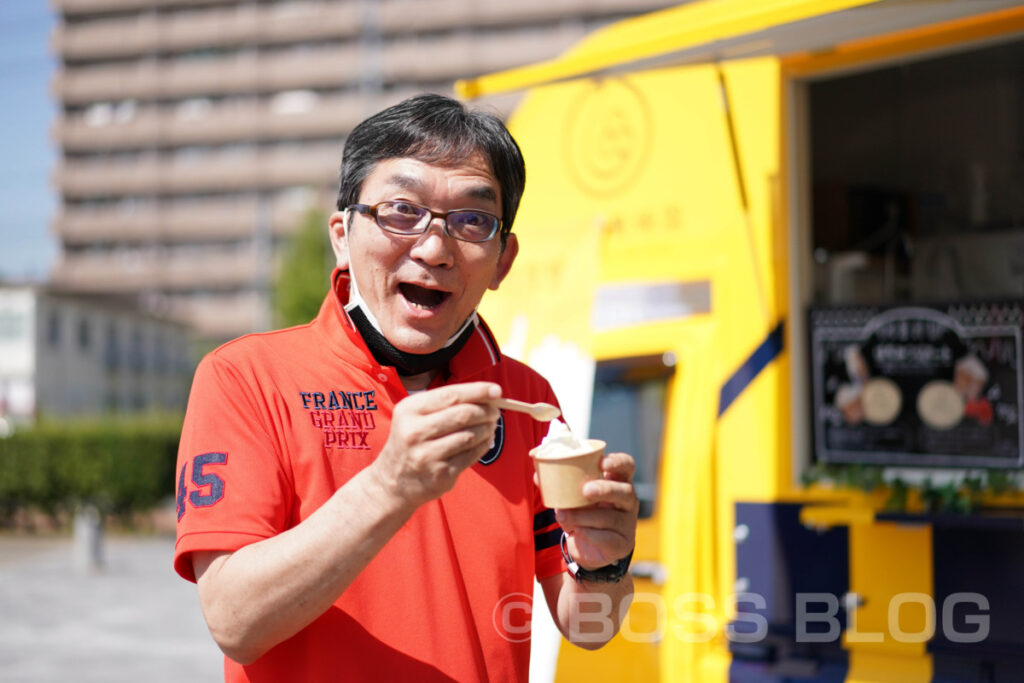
<point>775,250</point>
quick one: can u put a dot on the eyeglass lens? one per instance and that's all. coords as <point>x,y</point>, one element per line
<point>405,217</point>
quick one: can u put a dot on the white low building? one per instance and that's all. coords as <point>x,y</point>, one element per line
<point>74,355</point>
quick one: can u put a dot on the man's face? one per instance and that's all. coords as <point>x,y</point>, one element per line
<point>421,288</point>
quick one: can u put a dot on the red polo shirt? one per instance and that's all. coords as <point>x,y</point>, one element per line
<point>277,422</point>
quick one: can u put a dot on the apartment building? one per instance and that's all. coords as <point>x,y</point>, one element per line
<point>66,354</point>
<point>195,133</point>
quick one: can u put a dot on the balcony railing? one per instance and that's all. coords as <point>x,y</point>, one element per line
<point>147,32</point>
<point>208,221</point>
<point>152,127</point>
<point>426,59</point>
<point>317,167</point>
<point>86,7</point>
<point>155,269</point>
<point>221,316</point>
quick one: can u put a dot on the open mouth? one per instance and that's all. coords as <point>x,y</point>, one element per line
<point>422,297</point>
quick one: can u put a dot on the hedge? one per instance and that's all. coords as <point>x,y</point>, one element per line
<point>120,467</point>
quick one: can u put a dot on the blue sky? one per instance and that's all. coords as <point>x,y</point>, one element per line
<point>27,155</point>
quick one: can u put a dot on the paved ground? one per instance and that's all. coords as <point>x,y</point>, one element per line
<point>135,620</point>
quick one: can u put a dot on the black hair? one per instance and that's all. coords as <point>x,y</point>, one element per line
<point>438,130</point>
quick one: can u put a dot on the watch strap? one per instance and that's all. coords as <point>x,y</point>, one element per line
<point>610,573</point>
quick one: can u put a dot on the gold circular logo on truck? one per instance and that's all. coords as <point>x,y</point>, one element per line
<point>608,137</point>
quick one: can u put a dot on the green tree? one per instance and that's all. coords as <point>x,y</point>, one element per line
<point>302,277</point>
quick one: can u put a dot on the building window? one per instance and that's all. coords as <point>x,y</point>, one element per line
<point>53,329</point>
<point>112,348</point>
<point>294,102</point>
<point>84,334</point>
<point>99,114</point>
<point>194,108</point>
<point>138,353</point>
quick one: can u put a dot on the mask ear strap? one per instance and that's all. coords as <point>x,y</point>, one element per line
<point>346,219</point>
<point>355,299</point>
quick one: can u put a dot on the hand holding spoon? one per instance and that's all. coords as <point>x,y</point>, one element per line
<point>544,412</point>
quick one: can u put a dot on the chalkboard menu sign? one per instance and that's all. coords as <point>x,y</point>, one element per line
<point>918,385</point>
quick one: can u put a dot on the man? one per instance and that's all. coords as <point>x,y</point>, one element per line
<point>351,503</point>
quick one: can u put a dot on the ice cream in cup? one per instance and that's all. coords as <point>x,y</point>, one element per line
<point>564,463</point>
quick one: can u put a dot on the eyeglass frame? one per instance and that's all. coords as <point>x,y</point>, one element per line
<point>371,210</point>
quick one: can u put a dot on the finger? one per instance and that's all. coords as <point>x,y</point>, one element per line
<point>453,394</point>
<point>618,466</point>
<point>454,419</point>
<point>597,548</point>
<point>618,494</point>
<point>468,458</point>
<point>451,445</point>
<point>597,518</point>
<point>454,463</point>
<point>442,474</point>
<point>453,452</point>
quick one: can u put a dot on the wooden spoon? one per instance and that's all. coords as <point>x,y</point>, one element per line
<point>544,412</point>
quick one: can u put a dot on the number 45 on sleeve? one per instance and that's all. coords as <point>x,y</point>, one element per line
<point>201,496</point>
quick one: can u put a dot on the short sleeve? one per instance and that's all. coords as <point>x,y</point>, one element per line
<point>547,538</point>
<point>232,486</point>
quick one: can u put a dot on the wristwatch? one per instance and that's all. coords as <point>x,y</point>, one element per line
<point>610,573</point>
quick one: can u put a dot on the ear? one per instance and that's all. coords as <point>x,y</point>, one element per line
<point>337,228</point>
<point>505,260</point>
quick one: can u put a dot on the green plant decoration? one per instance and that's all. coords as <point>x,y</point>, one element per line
<point>955,497</point>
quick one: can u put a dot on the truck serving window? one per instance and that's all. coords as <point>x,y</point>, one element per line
<point>628,412</point>
<point>917,179</point>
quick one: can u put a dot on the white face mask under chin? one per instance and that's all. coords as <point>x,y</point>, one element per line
<point>355,298</point>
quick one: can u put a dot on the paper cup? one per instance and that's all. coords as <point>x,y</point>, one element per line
<point>562,477</point>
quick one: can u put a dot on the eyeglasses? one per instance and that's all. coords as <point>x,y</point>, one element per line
<point>406,218</point>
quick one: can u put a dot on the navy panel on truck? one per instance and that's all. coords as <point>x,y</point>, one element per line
<point>979,604</point>
<point>792,577</point>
